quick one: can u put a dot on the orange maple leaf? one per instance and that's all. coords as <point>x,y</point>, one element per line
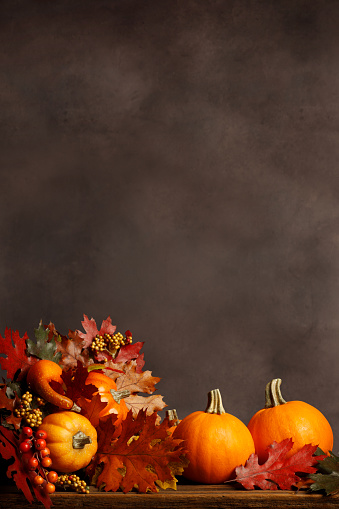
<point>137,455</point>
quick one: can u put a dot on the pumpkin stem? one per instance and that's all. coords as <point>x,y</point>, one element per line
<point>214,404</point>
<point>119,395</point>
<point>273,395</point>
<point>172,417</point>
<point>80,440</point>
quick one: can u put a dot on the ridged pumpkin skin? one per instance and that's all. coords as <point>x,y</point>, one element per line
<point>61,428</point>
<point>216,444</point>
<point>293,419</point>
<point>105,385</point>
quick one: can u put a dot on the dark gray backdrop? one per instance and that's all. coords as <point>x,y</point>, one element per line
<point>174,164</point>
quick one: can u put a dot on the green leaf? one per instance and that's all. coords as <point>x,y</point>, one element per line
<point>325,482</point>
<point>327,478</point>
<point>43,348</point>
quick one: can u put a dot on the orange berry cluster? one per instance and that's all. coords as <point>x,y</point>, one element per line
<point>35,455</point>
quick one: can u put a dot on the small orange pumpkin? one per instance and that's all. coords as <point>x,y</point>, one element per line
<point>39,377</point>
<point>71,439</point>
<point>293,419</point>
<point>109,394</point>
<point>217,442</point>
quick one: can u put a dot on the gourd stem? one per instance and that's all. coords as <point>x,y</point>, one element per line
<point>80,439</point>
<point>273,395</point>
<point>172,417</point>
<point>75,408</point>
<point>214,404</point>
<point>119,395</point>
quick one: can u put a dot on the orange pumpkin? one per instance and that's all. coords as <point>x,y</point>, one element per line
<point>109,394</point>
<point>293,419</point>
<point>39,377</point>
<point>71,439</point>
<point>217,442</point>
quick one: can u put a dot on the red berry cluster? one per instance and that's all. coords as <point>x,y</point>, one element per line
<point>35,456</point>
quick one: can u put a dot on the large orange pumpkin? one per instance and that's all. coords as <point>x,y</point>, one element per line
<point>109,394</point>
<point>71,439</point>
<point>217,442</point>
<point>293,419</point>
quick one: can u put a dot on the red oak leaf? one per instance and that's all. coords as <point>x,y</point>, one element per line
<point>91,329</point>
<point>9,444</point>
<point>16,358</point>
<point>277,471</point>
<point>138,455</point>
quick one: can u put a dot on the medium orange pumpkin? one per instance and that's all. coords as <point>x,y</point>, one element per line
<point>217,442</point>
<point>293,419</point>
<point>109,394</point>
<point>71,439</point>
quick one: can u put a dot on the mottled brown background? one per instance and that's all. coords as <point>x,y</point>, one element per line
<point>174,164</point>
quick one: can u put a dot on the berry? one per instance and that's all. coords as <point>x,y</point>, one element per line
<point>27,431</point>
<point>52,476</point>
<point>41,434</point>
<point>46,462</point>
<point>38,480</point>
<point>49,488</point>
<point>45,452</point>
<point>40,444</point>
<point>33,463</point>
<point>25,446</point>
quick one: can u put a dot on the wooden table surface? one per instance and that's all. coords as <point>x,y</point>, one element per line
<point>186,496</point>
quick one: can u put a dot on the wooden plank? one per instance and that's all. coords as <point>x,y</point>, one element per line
<point>185,497</point>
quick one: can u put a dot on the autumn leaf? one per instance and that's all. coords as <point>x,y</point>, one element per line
<point>9,444</point>
<point>91,329</point>
<point>91,408</point>
<point>128,462</point>
<point>277,471</point>
<point>6,409</point>
<point>16,359</point>
<point>135,383</point>
<point>327,478</point>
<point>71,348</point>
<point>44,348</point>
<point>74,380</point>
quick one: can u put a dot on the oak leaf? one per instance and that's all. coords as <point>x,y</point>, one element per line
<point>92,330</point>
<point>74,380</point>
<point>91,408</point>
<point>16,363</point>
<point>277,471</point>
<point>71,348</point>
<point>44,348</point>
<point>136,382</point>
<point>137,455</point>
<point>327,478</point>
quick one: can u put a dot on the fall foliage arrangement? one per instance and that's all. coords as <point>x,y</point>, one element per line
<point>79,410</point>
